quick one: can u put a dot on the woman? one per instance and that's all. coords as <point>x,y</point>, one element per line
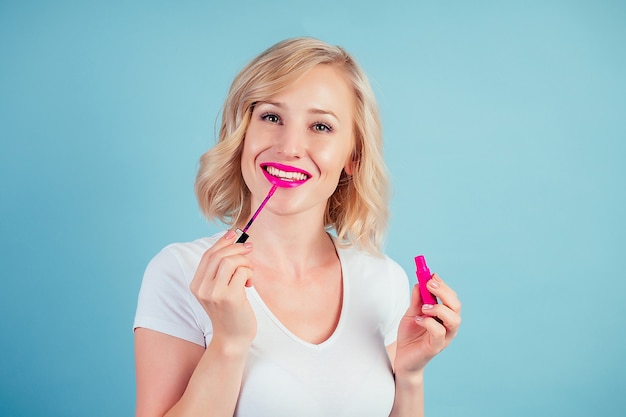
<point>295,321</point>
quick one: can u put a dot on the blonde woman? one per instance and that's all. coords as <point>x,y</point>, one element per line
<point>307,317</point>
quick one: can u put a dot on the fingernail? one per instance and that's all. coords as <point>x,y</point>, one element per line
<point>419,318</point>
<point>247,245</point>
<point>427,307</point>
<point>433,283</point>
<point>230,234</point>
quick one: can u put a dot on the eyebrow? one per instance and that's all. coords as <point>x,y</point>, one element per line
<point>313,110</point>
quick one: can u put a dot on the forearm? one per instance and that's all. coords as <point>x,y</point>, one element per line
<point>214,386</point>
<point>409,398</point>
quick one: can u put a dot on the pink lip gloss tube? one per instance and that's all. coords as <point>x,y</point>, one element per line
<point>423,275</point>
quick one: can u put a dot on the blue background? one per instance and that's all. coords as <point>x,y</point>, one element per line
<point>505,137</point>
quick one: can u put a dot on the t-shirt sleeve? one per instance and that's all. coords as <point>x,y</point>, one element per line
<point>400,298</point>
<point>165,302</point>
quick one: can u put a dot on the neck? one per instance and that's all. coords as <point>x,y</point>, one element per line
<point>292,244</point>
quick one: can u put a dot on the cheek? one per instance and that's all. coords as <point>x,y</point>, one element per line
<point>246,150</point>
<point>333,160</point>
<point>251,148</point>
<point>249,153</point>
<point>257,139</point>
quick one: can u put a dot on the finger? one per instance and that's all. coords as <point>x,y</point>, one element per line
<point>436,332</point>
<point>224,243</point>
<point>212,259</point>
<point>207,256</point>
<point>227,268</point>
<point>415,308</point>
<point>220,264</point>
<point>446,294</point>
<point>241,277</point>
<point>230,276</point>
<point>450,319</point>
<point>227,239</point>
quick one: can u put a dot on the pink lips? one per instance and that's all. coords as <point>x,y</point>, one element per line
<point>293,177</point>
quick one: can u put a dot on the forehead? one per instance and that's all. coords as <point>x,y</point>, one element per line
<point>324,86</point>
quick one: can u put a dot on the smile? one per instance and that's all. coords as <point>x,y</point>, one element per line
<point>284,176</point>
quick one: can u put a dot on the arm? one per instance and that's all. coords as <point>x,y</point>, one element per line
<point>409,398</point>
<point>420,338</point>
<point>179,378</point>
<point>163,366</point>
<point>184,378</point>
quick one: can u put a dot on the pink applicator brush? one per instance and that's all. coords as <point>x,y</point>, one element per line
<point>244,236</point>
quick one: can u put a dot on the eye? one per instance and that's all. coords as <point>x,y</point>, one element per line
<point>322,127</point>
<point>270,117</point>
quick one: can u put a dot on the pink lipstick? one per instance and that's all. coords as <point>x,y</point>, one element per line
<point>243,235</point>
<point>283,175</point>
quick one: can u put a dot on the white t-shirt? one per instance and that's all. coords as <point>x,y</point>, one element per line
<point>349,374</point>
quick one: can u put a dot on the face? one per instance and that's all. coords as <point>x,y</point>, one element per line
<point>301,140</point>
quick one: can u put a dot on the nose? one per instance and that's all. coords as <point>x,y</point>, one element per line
<point>290,143</point>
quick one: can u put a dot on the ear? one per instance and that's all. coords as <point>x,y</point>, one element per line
<point>351,163</point>
<point>349,167</point>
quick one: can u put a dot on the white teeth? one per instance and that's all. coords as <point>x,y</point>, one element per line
<point>284,175</point>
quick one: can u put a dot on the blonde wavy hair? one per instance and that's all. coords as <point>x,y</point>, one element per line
<point>358,209</point>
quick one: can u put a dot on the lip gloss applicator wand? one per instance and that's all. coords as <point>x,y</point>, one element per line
<point>243,235</point>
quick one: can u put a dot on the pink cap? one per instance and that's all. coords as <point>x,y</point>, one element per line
<point>420,263</point>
